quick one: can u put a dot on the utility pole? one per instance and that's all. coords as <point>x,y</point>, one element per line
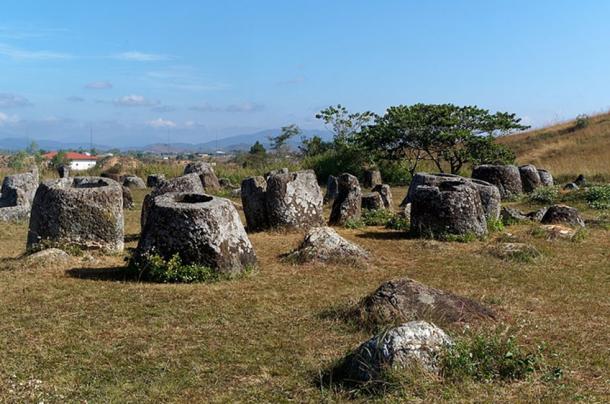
<point>90,138</point>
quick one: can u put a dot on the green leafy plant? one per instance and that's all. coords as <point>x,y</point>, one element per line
<point>377,217</point>
<point>545,195</point>
<point>582,121</point>
<point>598,197</point>
<point>398,223</point>
<point>495,225</point>
<point>356,223</point>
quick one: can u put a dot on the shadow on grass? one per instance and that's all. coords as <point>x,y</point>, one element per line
<point>386,235</point>
<point>112,274</point>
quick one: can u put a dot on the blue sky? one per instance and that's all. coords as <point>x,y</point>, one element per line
<point>136,71</point>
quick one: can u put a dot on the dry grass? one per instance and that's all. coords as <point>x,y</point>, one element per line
<point>565,150</point>
<point>86,334</point>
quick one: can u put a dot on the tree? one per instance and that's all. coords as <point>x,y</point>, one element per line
<point>342,123</point>
<point>278,143</point>
<point>59,159</point>
<point>258,149</point>
<point>446,134</point>
<point>314,146</point>
<point>32,148</point>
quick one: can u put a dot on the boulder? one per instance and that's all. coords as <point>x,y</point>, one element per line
<point>414,343</point>
<point>326,245</point>
<point>580,181</point>
<point>545,178</point>
<point>530,179</point>
<point>386,194</point>
<point>571,187</point>
<point>154,180</point>
<point>537,215</point>
<point>133,181</point>
<point>402,300</point>
<point>451,208</point>
<point>558,231</point>
<point>515,251</point>
<point>347,205</point>
<point>511,215</point>
<point>201,229</point>
<point>127,198</point>
<point>427,179</point>
<point>294,200</point>
<point>186,183</point>
<point>332,189</point>
<point>371,178</point>
<point>206,174</point>
<point>113,176</point>
<point>490,198</point>
<point>14,213</point>
<point>372,201</point>
<point>275,172</point>
<point>253,199</point>
<point>63,171</point>
<point>506,177</point>
<point>236,193</point>
<point>562,214</point>
<point>226,183</point>
<point>26,183</point>
<point>83,211</point>
<point>53,255</point>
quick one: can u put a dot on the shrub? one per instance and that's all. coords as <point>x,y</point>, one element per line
<point>598,197</point>
<point>378,217</point>
<point>495,225</point>
<point>490,357</point>
<point>156,269</point>
<point>582,121</point>
<point>357,223</point>
<point>545,195</point>
<point>398,223</point>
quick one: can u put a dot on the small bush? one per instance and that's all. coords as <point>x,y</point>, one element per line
<point>582,121</point>
<point>378,217</point>
<point>490,357</point>
<point>357,223</point>
<point>598,197</point>
<point>580,235</point>
<point>495,225</point>
<point>398,223</point>
<point>458,238</point>
<point>544,195</point>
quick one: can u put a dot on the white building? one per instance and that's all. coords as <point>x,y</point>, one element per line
<point>77,161</point>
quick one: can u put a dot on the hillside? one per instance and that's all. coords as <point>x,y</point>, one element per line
<point>566,150</point>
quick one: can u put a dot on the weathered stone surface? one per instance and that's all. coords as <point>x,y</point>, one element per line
<point>154,180</point>
<point>133,181</point>
<point>558,231</point>
<point>49,255</point>
<point>253,199</point>
<point>27,183</point>
<point>14,213</point>
<point>537,215</point>
<point>372,201</point>
<point>490,198</point>
<point>402,300</point>
<point>127,198</point>
<point>371,178</point>
<point>236,193</point>
<point>515,251</point>
<point>429,180</point>
<point>412,343</point>
<point>580,181</point>
<point>82,211</point>
<point>506,177</point>
<point>332,189</point>
<point>294,200</point>
<point>206,174</point>
<point>545,178</point>
<point>386,194</point>
<point>451,208</point>
<point>63,171</point>
<point>511,215</point>
<point>275,172</point>
<point>347,205</point>
<point>530,179</point>
<point>571,187</point>
<point>562,214</point>
<point>186,183</point>
<point>113,176</point>
<point>201,229</point>
<point>326,245</point>
<point>226,183</point>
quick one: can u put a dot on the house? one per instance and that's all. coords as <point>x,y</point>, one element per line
<point>77,161</point>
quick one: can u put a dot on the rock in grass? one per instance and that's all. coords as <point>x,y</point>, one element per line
<point>453,208</point>
<point>133,181</point>
<point>580,181</point>
<point>372,201</point>
<point>324,244</point>
<point>505,177</point>
<point>545,178</point>
<point>154,180</point>
<point>206,173</point>
<point>537,215</point>
<point>63,171</point>
<point>515,251</point>
<point>530,179</point>
<point>562,214</point>
<point>416,343</point>
<point>294,200</point>
<point>127,198</point>
<point>401,300</point>
<point>348,204</point>
<point>253,199</point>
<point>558,231</point>
<point>511,215</point>
<point>49,255</point>
<point>571,187</point>
<point>26,183</point>
<point>372,178</point>
<point>202,229</point>
<point>386,194</point>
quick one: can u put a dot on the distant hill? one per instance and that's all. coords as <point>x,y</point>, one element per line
<point>227,144</point>
<point>565,149</point>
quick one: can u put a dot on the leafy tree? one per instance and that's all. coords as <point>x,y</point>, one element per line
<point>59,159</point>
<point>314,146</point>
<point>258,149</point>
<point>32,148</point>
<point>342,123</point>
<point>278,143</point>
<point>445,134</point>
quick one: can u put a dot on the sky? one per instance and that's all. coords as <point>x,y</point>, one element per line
<point>138,72</point>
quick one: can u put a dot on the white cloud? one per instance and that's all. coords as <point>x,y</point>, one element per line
<point>135,101</point>
<point>161,123</point>
<point>6,119</point>
<point>136,56</point>
<point>99,85</point>
<point>13,101</point>
<point>23,54</point>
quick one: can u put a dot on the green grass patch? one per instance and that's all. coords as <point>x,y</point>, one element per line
<point>598,197</point>
<point>544,195</point>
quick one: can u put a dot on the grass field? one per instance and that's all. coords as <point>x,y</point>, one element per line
<point>80,332</point>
